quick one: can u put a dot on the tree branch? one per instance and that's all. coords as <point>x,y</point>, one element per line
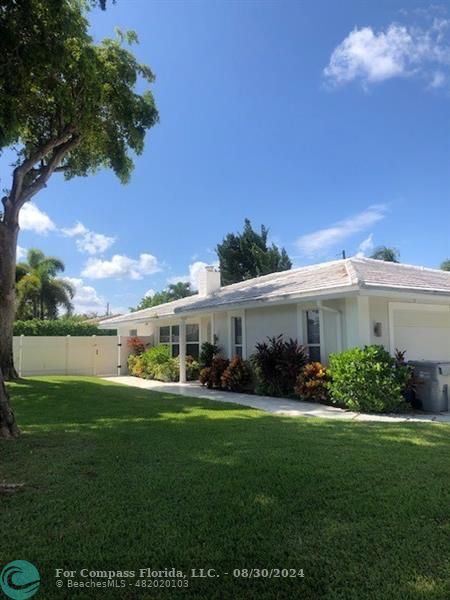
<point>20,171</point>
<point>47,171</point>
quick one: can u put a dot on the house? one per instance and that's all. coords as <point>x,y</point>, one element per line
<point>328,307</point>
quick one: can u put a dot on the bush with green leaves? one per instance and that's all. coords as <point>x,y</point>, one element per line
<point>66,326</point>
<point>157,363</point>
<point>277,364</point>
<point>367,379</point>
<point>192,368</point>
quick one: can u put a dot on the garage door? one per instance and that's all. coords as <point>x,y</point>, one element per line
<point>423,332</point>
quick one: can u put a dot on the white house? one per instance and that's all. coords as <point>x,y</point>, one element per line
<point>328,307</point>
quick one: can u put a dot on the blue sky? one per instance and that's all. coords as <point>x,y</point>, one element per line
<point>326,121</point>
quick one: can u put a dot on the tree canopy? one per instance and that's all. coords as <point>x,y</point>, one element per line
<point>387,254</point>
<point>246,255</point>
<point>66,103</point>
<point>445,265</point>
<point>174,291</point>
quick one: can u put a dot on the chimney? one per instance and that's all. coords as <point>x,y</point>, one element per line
<point>208,281</point>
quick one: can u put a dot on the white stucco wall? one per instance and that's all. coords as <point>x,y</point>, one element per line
<point>379,313</point>
<point>221,330</point>
<point>350,333</point>
<point>261,323</point>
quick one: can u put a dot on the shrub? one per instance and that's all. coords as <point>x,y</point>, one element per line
<point>237,376</point>
<point>208,352</point>
<point>154,363</point>
<point>66,326</point>
<point>212,376</point>
<point>135,366</point>
<point>157,363</point>
<point>367,379</point>
<point>136,345</point>
<point>205,376</point>
<point>167,371</point>
<point>277,365</point>
<point>192,368</point>
<point>312,383</point>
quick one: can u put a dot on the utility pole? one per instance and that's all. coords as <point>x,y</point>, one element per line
<point>107,309</point>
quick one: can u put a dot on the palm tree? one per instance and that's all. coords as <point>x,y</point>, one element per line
<point>386,254</point>
<point>40,292</point>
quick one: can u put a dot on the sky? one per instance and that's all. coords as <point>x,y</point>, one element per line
<point>326,121</point>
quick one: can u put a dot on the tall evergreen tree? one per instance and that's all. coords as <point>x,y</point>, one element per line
<point>387,254</point>
<point>247,254</point>
<point>445,265</point>
<point>174,291</point>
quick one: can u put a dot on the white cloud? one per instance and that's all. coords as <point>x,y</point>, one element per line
<point>398,51</point>
<point>149,293</point>
<point>319,242</point>
<point>121,267</point>
<point>195,269</point>
<point>31,218</point>
<point>365,246</point>
<point>89,241</point>
<point>75,231</point>
<point>439,79</point>
<point>86,298</point>
<point>21,253</point>
<point>94,243</point>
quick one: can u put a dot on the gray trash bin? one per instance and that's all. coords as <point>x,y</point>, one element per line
<point>433,380</point>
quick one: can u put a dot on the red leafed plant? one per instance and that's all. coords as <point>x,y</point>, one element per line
<point>212,376</point>
<point>237,376</point>
<point>312,383</point>
<point>136,345</point>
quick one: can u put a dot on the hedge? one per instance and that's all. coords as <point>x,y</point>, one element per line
<point>59,327</point>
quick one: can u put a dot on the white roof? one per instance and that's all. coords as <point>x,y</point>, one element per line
<point>305,282</point>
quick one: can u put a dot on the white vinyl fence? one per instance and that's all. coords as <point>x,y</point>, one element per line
<point>71,355</point>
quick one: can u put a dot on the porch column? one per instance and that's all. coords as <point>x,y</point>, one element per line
<point>182,355</point>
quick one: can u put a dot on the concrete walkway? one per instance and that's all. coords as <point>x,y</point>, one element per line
<point>277,406</point>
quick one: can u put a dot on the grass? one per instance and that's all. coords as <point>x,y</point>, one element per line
<point>122,478</point>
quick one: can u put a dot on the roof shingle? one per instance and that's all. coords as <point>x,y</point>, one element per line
<point>307,281</point>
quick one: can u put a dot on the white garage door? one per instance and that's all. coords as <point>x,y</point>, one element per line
<point>423,332</point>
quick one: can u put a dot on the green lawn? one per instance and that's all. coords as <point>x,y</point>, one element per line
<point>119,478</point>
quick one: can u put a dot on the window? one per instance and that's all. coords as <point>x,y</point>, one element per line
<point>133,332</point>
<point>193,340</point>
<point>313,334</point>
<point>170,335</point>
<point>237,336</point>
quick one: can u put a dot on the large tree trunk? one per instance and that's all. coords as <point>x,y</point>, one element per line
<point>8,243</point>
<point>8,426</point>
